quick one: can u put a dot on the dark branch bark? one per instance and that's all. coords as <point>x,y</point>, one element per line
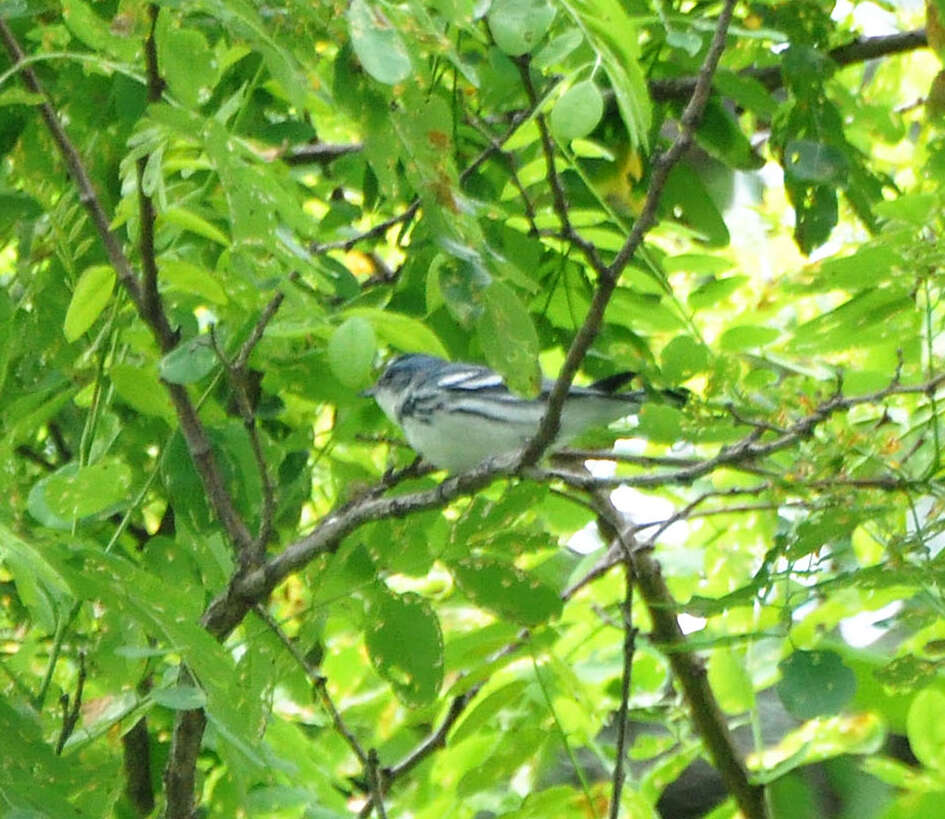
<point>690,673</point>
<point>180,773</point>
<point>321,153</point>
<point>857,51</point>
<point>137,764</point>
<point>623,712</point>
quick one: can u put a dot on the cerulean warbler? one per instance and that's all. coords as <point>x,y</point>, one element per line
<point>457,415</point>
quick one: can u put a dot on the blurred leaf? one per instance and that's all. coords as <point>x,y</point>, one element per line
<point>180,697</point>
<point>814,683</point>
<point>351,351</point>
<point>188,220</point>
<point>91,294</point>
<point>509,340</point>
<point>78,493</point>
<point>140,389</point>
<point>188,65</point>
<point>683,357</point>
<point>519,25</point>
<point>578,111</point>
<point>403,332</point>
<point>192,279</point>
<point>926,727</point>
<point>814,162</point>
<point>377,43</point>
<point>189,361</point>
<point>746,336</point>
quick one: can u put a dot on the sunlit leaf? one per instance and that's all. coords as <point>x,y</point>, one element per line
<point>91,294</point>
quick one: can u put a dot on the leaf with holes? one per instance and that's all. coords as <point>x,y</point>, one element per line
<point>507,590</point>
<point>404,641</point>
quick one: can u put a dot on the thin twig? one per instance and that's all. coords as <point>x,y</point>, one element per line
<point>149,291</point>
<point>623,712</point>
<point>322,153</point>
<point>375,780</point>
<point>237,376</point>
<point>434,742</point>
<point>376,232</point>
<point>368,759</point>
<point>70,712</point>
<point>559,201</point>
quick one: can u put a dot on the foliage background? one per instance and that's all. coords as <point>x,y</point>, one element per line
<point>222,582</point>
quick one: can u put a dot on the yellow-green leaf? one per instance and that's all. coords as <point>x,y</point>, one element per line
<point>92,292</point>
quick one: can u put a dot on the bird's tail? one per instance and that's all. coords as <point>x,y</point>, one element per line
<point>675,396</point>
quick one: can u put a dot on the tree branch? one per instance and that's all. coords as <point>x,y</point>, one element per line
<point>771,77</point>
<point>707,717</point>
<point>607,280</point>
<point>623,712</point>
<point>70,711</point>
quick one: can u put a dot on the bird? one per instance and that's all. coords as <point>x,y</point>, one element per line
<point>456,415</point>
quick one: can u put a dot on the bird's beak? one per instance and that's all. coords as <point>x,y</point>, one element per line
<point>369,392</point>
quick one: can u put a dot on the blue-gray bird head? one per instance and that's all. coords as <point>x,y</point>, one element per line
<point>398,378</point>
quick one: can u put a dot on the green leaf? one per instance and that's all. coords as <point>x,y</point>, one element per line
<point>405,644</point>
<point>377,44</point>
<point>613,36</point>
<point>40,587</point>
<point>96,32</point>
<point>486,708</point>
<point>730,681</point>
<point>189,362</point>
<point>519,25</point>
<point>460,284</point>
<point>188,64</point>
<point>91,294</point>
<point>912,208</point>
<point>747,336</point>
<point>714,291</point>
<point>507,590</point>
<point>403,332</point>
<point>193,279</point>
<point>37,783</point>
<point>557,49</point>
<point>578,111</point>
<point>140,389</point>
<point>815,683</point>
<point>815,162</point>
<point>683,357</point>
<point>188,220</point>
<point>509,340</point>
<point>868,266</point>
<point>351,351</point>
<point>925,725</point>
<point>180,697</point>
<point>78,493</point>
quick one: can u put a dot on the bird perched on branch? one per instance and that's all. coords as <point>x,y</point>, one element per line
<point>457,415</point>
